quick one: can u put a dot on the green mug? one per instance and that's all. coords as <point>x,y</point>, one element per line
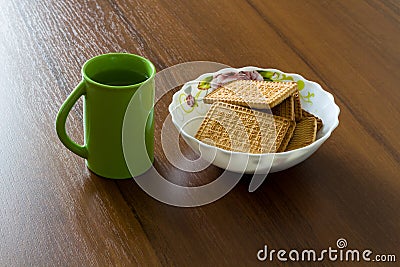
<point>109,82</point>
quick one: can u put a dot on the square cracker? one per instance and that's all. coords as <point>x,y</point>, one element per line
<point>307,114</point>
<point>241,129</point>
<point>254,94</point>
<point>285,109</point>
<point>288,136</point>
<point>304,133</point>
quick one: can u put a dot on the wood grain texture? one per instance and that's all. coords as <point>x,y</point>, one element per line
<point>53,211</point>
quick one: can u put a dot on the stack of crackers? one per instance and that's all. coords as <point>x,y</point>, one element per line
<point>238,119</point>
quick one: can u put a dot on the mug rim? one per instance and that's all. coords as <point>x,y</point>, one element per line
<point>147,61</point>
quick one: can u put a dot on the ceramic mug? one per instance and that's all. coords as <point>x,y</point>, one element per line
<point>109,82</point>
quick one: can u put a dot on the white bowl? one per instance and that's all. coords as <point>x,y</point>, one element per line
<point>187,111</point>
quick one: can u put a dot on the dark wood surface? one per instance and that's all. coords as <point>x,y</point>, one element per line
<point>53,211</point>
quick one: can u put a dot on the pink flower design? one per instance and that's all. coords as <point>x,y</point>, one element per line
<point>190,101</point>
<point>223,78</point>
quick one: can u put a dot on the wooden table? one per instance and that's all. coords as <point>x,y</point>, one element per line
<point>53,211</point>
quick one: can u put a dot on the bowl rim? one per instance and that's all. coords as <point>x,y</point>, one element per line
<point>316,143</point>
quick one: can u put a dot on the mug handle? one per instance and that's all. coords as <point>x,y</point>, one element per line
<point>62,118</point>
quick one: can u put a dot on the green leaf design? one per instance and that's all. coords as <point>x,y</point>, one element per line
<point>267,75</point>
<point>308,97</point>
<point>205,84</point>
<point>208,79</point>
<point>300,85</point>
<point>284,77</point>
